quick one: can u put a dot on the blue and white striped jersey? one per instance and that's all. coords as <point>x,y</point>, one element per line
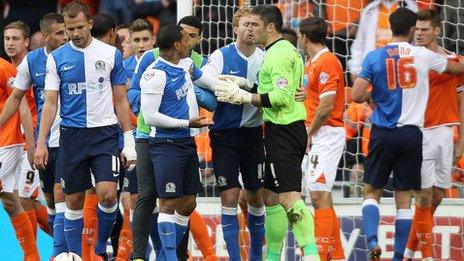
<point>173,87</point>
<point>229,60</point>
<point>84,78</point>
<point>399,73</point>
<point>31,72</point>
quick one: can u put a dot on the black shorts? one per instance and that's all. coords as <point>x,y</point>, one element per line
<point>88,150</point>
<point>396,150</point>
<point>51,174</point>
<point>285,147</point>
<point>176,166</point>
<point>238,151</point>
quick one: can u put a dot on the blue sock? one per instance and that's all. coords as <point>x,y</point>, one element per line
<point>155,238</point>
<point>106,219</point>
<point>371,218</point>
<point>167,234</point>
<point>402,226</point>
<point>229,223</point>
<point>181,222</point>
<point>51,218</point>
<point>73,224</point>
<point>256,228</point>
<point>59,239</point>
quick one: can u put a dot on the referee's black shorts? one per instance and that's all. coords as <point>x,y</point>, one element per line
<point>285,146</point>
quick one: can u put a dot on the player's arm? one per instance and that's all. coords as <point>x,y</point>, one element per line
<point>454,68</point>
<point>26,122</point>
<point>360,92</point>
<point>52,86</point>
<point>122,108</point>
<point>21,85</point>
<point>133,93</point>
<point>459,148</point>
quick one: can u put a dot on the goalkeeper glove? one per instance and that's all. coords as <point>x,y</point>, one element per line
<point>229,92</point>
<point>240,81</point>
<point>129,149</point>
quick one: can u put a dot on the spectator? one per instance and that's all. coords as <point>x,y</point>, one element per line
<point>374,30</point>
<point>163,10</point>
<point>118,9</point>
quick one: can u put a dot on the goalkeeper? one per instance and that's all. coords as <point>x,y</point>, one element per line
<point>285,135</point>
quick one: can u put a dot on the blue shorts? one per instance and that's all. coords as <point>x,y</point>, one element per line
<point>176,166</point>
<point>238,151</point>
<point>51,174</point>
<point>396,150</point>
<point>130,181</point>
<point>88,150</point>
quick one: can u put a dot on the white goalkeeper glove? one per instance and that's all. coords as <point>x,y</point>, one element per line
<point>229,92</point>
<point>240,81</point>
<point>128,151</point>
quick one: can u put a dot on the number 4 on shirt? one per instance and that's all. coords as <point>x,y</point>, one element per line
<point>401,72</point>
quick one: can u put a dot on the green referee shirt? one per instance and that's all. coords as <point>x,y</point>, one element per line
<point>280,75</point>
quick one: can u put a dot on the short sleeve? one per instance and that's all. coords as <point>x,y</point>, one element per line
<point>215,64</point>
<point>52,79</point>
<point>8,74</point>
<point>118,73</point>
<point>153,81</point>
<point>436,62</point>
<point>366,69</point>
<point>327,79</point>
<point>23,79</point>
<point>143,63</point>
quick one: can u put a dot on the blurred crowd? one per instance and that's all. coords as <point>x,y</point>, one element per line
<point>355,28</point>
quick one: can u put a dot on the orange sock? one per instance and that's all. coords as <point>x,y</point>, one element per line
<point>201,236</point>
<point>338,252</point>
<point>42,218</point>
<point>323,219</point>
<point>24,233</point>
<point>33,219</point>
<point>412,239</point>
<point>243,235</point>
<point>423,224</point>
<point>90,230</point>
<point>125,238</point>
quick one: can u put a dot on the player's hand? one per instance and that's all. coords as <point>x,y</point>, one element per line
<point>30,156</point>
<point>300,94</point>
<point>240,81</point>
<point>128,154</point>
<point>228,91</point>
<point>458,152</point>
<point>41,156</point>
<point>199,122</point>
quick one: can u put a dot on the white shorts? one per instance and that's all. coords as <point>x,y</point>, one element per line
<point>320,165</point>
<point>28,184</point>
<point>10,164</point>
<point>437,157</point>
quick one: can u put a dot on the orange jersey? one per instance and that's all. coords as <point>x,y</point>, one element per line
<point>10,132</point>
<point>324,75</point>
<point>442,105</point>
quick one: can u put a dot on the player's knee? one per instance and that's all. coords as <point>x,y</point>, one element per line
<point>438,195</point>
<point>168,205</point>
<point>255,198</point>
<point>10,204</point>
<point>27,203</point>
<point>321,199</point>
<point>186,205</point>
<point>424,197</point>
<point>229,198</point>
<point>270,198</point>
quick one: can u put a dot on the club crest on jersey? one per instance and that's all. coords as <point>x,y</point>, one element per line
<point>148,75</point>
<point>282,82</point>
<point>221,181</point>
<point>10,81</point>
<point>100,65</point>
<point>170,187</point>
<point>323,77</point>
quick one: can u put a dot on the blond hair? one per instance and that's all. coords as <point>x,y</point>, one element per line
<point>242,11</point>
